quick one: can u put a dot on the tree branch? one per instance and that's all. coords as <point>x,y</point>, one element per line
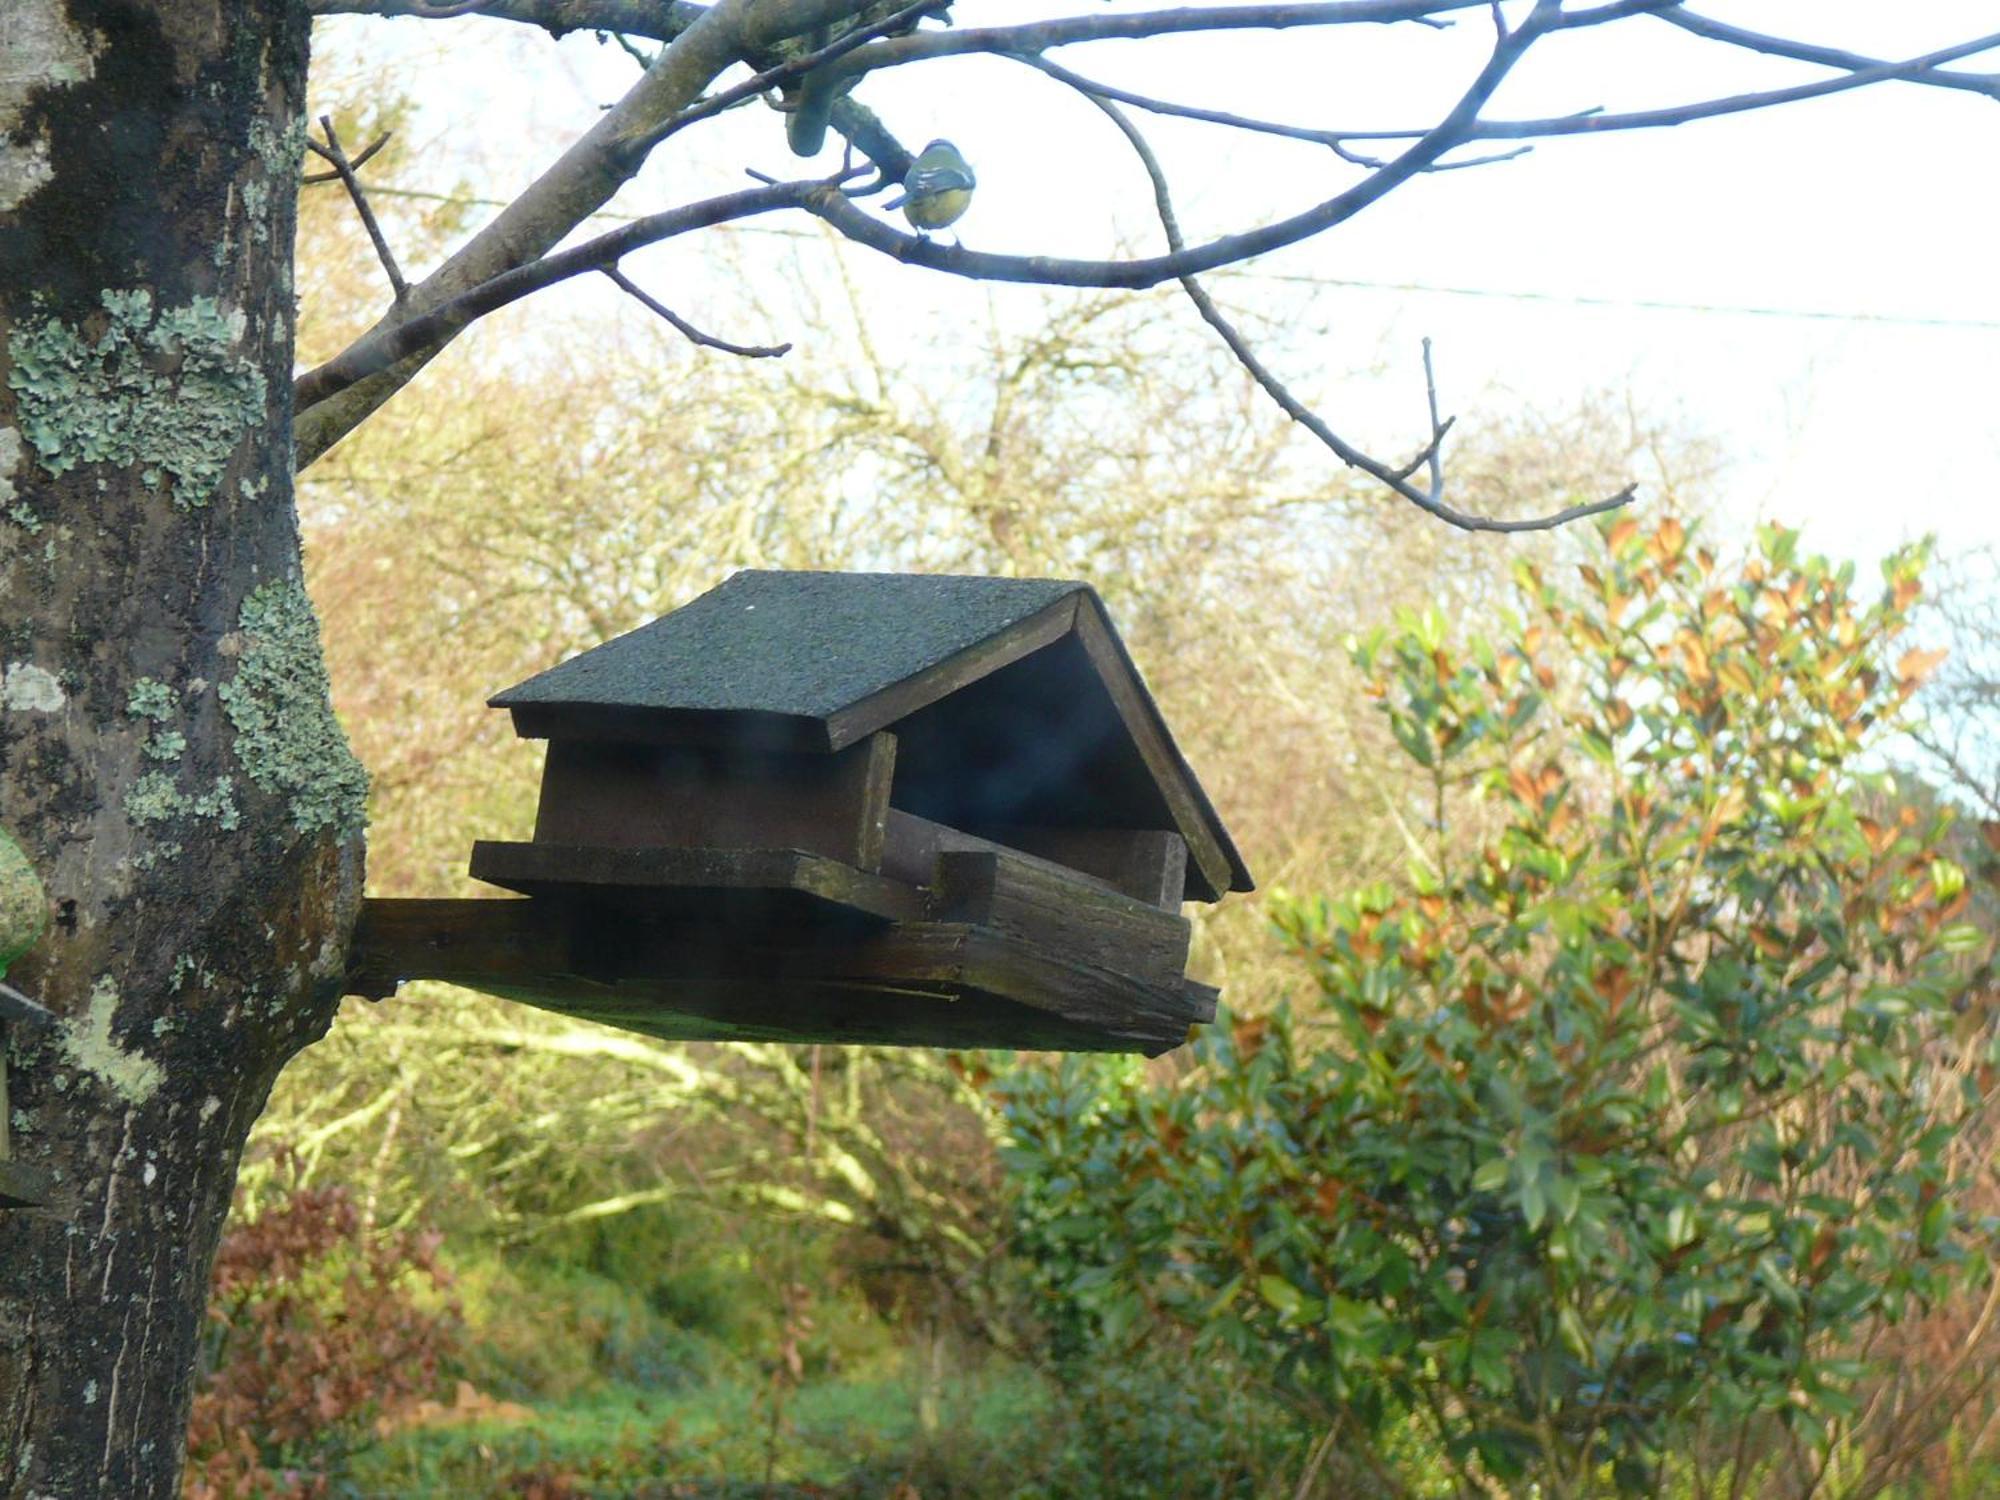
<point>580,181</point>
<point>1430,499</point>
<point>1037,36</point>
<point>1595,122</point>
<point>367,155</point>
<point>1830,57</point>
<point>344,170</point>
<point>384,347</point>
<point>1147,271</point>
<point>779,73</point>
<point>693,334</point>
<point>659,21</point>
<point>511,254</point>
<point>1333,139</point>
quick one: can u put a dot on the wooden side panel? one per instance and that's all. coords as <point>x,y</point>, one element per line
<point>692,797</point>
<point>1146,864</point>
<point>1149,865</point>
<point>1081,919</point>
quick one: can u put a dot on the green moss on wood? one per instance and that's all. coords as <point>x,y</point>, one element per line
<point>280,702</point>
<point>161,390</point>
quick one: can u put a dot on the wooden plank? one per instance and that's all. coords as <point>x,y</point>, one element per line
<point>657,878</point>
<point>901,699</point>
<point>1217,867</point>
<point>931,984</point>
<point>1147,865</point>
<point>1082,920</point>
<point>690,797</point>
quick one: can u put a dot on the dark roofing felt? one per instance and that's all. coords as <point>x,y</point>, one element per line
<point>801,644</point>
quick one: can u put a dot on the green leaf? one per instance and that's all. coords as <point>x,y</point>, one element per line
<point>1281,1294</point>
<point>1491,1176</point>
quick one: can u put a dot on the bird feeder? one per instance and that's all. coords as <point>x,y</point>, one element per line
<point>845,807</point>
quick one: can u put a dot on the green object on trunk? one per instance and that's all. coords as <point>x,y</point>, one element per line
<point>24,905</point>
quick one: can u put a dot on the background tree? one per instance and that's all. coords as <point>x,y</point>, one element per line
<point>173,767</point>
<point>1616,1154</point>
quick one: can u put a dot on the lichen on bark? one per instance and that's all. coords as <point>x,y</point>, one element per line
<point>279,701</point>
<point>88,1042</point>
<point>162,390</point>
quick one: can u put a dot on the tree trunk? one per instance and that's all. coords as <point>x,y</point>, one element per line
<point>168,755</point>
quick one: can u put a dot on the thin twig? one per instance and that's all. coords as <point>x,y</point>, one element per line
<point>693,334</point>
<point>1333,140</point>
<point>357,163</point>
<point>1831,57</point>
<point>1599,122</point>
<point>630,48</point>
<point>1431,499</point>
<point>376,352</point>
<point>344,170</point>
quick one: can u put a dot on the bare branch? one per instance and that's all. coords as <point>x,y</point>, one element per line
<point>450,12</point>
<point>383,348</point>
<point>1431,499</point>
<point>357,163</point>
<point>781,73</point>
<point>344,170</point>
<point>1332,139</point>
<point>658,21</point>
<point>580,181</point>
<point>693,334</point>
<point>1597,122</point>
<point>1038,36</point>
<point>1831,57</point>
<point>1148,271</point>
<point>703,42</point>
<point>630,48</point>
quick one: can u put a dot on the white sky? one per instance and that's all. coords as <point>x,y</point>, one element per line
<point>1883,203</point>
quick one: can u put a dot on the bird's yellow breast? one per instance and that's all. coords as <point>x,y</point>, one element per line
<point>936,210</point>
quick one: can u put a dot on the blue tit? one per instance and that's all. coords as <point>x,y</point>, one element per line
<point>938,189</point>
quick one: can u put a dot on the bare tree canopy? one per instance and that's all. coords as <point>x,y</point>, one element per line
<point>795,50</point>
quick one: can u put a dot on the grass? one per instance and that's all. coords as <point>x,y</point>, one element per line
<point>716,1437</point>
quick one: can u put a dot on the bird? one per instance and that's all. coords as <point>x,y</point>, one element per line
<point>938,188</point>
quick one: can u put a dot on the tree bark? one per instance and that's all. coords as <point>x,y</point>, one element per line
<point>168,755</point>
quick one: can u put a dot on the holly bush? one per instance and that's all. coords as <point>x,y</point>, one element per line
<point>1606,1148</point>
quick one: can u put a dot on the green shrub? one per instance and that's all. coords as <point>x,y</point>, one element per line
<point>1608,1152</point>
